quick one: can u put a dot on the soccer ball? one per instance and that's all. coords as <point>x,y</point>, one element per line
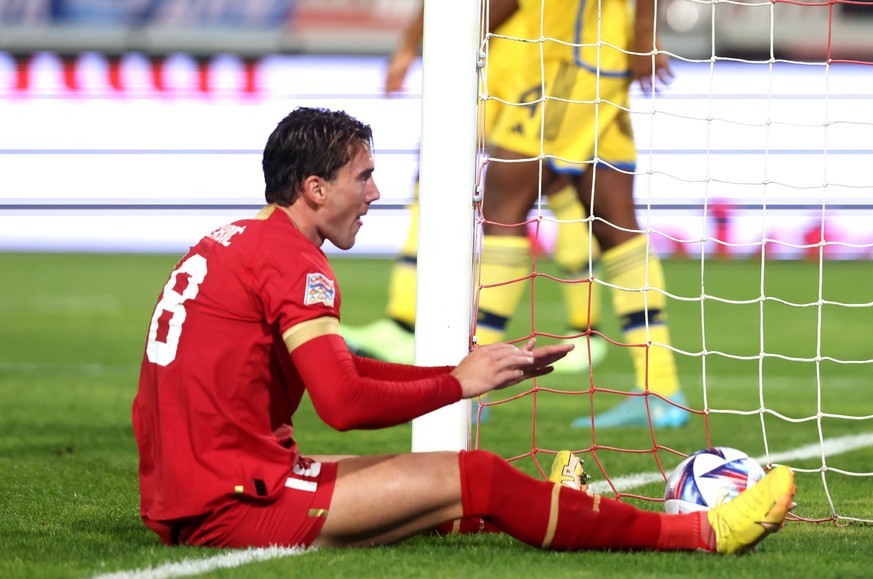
<point>708,478</point>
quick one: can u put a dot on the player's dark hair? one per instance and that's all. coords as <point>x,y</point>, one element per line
<point>308,142</point>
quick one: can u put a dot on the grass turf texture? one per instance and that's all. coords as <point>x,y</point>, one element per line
<point>72,329</point>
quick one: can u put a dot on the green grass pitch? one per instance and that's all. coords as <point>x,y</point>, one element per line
<point>72,329</point>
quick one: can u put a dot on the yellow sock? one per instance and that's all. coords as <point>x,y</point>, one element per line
<point>572,248</point>
<point>580,313</point>
<point>626,267</point>
<point>401,286</point>
<point>503,259</point>
<point>573,242</point>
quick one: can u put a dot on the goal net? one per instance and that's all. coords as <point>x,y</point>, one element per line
<point>750,193</point>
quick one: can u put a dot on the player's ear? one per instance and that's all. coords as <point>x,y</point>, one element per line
<point>313,189</point>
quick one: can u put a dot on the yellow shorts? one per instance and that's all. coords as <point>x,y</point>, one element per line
<point>502,68</point>
<point>569,127</point>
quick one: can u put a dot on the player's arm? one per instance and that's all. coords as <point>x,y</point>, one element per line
<point>405,54</point>
<point>347,399</point>
<point>371,368</point>
<point>644,42</point>
<point>490,367</point>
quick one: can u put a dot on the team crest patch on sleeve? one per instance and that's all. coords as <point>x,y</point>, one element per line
<point>319,290</point>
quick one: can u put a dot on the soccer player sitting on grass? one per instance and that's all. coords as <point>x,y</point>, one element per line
<point>248,321</point>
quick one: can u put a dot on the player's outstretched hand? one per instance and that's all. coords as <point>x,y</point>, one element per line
<point>497,366</point>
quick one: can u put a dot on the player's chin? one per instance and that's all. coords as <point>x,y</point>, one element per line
<point>347,241</point>
<point>344,243</point>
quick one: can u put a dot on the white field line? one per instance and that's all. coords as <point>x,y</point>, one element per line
<point>830,447</point>
<point>231,559</point>
<point>190,567</point>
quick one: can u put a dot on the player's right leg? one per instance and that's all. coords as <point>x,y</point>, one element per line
<point>551,516</point>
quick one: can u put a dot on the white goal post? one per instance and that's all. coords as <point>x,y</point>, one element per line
<point>447,182</point>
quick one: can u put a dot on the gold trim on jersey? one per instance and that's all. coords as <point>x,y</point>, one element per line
<point>265,213</point>
<point>305,331</point>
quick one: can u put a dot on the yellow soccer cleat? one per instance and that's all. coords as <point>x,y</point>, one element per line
<point>759,511</point>
<point>567,470</point>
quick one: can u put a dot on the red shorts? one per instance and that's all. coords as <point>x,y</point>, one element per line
<point>293,519</point>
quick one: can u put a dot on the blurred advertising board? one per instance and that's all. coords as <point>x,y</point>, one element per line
<point>254,27</point>
<point>133,153</point>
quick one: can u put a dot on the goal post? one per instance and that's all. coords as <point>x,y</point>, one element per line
<point>447,182</point>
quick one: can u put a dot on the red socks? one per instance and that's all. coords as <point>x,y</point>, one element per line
<point>551,516</point>
<point>682,532</point>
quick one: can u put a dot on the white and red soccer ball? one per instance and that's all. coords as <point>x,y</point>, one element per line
<point>708,478</point>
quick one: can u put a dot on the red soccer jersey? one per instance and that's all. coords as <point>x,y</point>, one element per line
<point>217,389</point>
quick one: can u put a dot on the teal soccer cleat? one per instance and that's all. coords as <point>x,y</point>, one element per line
<point>633,412</point>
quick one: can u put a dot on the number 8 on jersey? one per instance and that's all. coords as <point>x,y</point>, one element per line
<point>170,314</point>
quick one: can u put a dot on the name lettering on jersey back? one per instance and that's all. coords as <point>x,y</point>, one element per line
<point>223,234</point>
<point>319,290</point>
